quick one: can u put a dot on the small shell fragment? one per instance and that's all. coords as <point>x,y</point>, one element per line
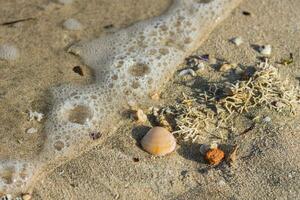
<point>265,50</point>
<point>225,67</point>
<point>33,115</point>
<point>26,197</point>
<point>141,116</point>
<point>158,141</point>
<point>237,41</point>
<point>31,130</point>
<point>187,72</point>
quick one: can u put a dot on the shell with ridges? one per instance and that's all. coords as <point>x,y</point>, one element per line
<point>158,141</point>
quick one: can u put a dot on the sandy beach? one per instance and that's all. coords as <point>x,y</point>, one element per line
<point>268,163</point>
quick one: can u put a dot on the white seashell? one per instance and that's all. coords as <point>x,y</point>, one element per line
<point>237,41</point>
<point>31,130</point>
<point>265,50</point>
<point>158,141</point>
<point>72,24</point>
<point>186,72</point>
<point>8,52</point>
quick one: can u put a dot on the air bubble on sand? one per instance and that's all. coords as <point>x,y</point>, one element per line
<point>8,52</point>
<point>123,63</point>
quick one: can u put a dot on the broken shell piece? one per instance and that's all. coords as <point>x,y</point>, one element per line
<point>232,155</point>
<point>141,116</point>
<point>265,50</point>
<point>31,130</point>
<point>187,72</point>
<point>214,156</point>
<point>237,41</point>
<point>33,115</point>
<point>225,67</point>
<point>26,196</point>
<point>158,141</point>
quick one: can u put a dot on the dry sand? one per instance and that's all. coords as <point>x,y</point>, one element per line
<point>268,164</point>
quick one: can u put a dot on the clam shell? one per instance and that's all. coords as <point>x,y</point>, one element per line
<point>158,141</point>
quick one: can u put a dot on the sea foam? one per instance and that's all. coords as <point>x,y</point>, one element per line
<point>130,65</point>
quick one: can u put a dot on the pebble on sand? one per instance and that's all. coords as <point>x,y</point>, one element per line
<point>8,52</point>
<point>72,24</point>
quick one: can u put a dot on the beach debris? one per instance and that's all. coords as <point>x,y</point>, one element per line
<point>31,130</point>
<point>214,156</point>
<point>33,115</point>
<point>287,61</point>
<point>135,159</point>
<point>16,21</point>
<point>78,70</point>
<point>187,72</point>
<point>72,24</point>
<point>158,141</point>
<point>141,116</point>
<point>264,87</point>
<point>196,62</point>
<point>226,67</point>
<point>232,156</point>
<point>26,196</point>
<point>95,135</point>
<point>108,26</point>
<point>246,13</point>
<point>8,52</point>
<point>237,41</point>
<point>265,50</point>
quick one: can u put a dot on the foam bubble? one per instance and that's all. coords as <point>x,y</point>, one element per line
<point>129,65</point>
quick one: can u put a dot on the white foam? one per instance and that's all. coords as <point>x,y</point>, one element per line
<point>129,66</point>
